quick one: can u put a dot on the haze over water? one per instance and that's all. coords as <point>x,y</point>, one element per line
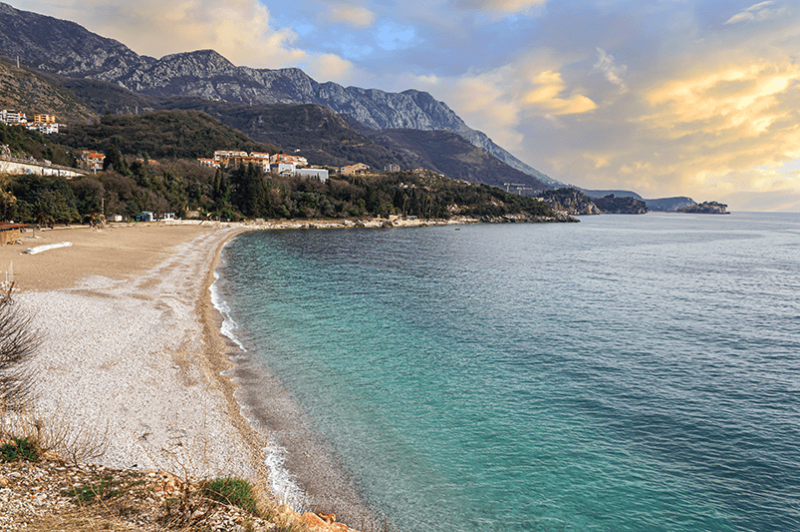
<point>625,373</point>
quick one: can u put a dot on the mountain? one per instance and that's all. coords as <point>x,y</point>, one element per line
<point>451,155</point>
<point>54,45</point>
<point>328,139</point>
<point>67,49</point>
<point>319,134</point>
<point>24,90</point>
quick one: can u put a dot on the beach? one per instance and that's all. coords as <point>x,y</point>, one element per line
<point>133,361</point>
<point>129,350</point>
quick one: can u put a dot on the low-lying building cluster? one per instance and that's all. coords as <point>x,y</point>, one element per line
<point>41,123</point>
<point>279,163</point>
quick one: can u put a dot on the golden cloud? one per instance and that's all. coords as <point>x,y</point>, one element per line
<point>329,66</point>
<point>238,29</point>
<point>546,91</point>
<point>744,99</point>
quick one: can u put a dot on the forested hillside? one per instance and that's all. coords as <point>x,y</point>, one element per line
<point>164,134</point>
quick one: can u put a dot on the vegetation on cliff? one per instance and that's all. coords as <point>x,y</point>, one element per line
<point>707,207</point>
<point>20,142</point>
<point>164,134</point>
<point>611,204</point>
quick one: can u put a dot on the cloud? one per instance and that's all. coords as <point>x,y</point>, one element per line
<point>501,6</point>
<point>484,102</point>
<point>329,66</point>
<point>758,12</point>
<point>238,29</point>
<point>745,99</point>
<point>546,91</point>
<point>612,72</point>
<point>351,15</point>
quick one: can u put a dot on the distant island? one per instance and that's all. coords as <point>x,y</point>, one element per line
<point>707,207</point>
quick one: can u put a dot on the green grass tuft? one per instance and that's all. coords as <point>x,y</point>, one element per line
<point>232,491</point>
<point>20,449</point>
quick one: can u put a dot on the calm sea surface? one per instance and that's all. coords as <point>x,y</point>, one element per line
<point>628,373</point>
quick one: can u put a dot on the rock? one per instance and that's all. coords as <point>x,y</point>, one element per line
<point>327,517</point>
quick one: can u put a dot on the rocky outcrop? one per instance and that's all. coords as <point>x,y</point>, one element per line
<point>570,200</point>
<point>65,48</point>
<point>557,217</point>
<point>312,522</point>
<point>707,207</point>
<point>669,204</point>
<point>613,205</point>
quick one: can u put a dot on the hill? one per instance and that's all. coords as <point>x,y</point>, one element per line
<point>26,91</point>
<point>320,135</point>
<point>616,193</point>
<point>449,154</point>
<point>669,204</point>
<point>163,134</point>
<point>64,48</point>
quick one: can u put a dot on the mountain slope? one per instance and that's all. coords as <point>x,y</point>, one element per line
<point>451,155</point>
<point>322,136</point>
<point>164,134</point>
<point>29,93</point>
<point>65,48</point>
<point>54,45</point>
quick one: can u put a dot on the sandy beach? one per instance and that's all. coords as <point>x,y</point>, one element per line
<point>129,345</point>
<point>132,354</point>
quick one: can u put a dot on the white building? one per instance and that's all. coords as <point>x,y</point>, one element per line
<point>315,173</point>
<point>284,169</point>
<point>12,118</point>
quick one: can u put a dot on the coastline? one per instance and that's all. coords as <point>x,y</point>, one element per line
<point>129,353</point>
<point>139,355</point>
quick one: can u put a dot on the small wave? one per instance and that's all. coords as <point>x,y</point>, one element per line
<point>281,480</point>
<point>228,324</point>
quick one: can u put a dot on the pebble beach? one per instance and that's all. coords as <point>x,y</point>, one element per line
<point>130,353</point>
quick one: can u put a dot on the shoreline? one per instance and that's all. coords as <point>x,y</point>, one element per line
<point>142,353</point>
<point>129,353</point>
<point>301,470</point>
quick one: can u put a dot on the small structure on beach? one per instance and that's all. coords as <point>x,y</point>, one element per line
<point>10,233</point>
<point>146,216</point>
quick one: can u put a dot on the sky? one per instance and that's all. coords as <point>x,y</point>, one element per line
<point>696,98</point>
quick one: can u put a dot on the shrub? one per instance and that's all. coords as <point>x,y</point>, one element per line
<point>232,491</point>
<point>18,342</point>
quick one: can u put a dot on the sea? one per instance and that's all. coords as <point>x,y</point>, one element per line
<point>626,373</point>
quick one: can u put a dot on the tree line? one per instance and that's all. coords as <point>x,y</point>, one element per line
<point>129,187</point>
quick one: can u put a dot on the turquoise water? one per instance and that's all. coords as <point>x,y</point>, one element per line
<point>625,373</point>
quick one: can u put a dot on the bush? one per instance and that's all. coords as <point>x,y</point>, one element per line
<point>18,342</point>
<point>232,491</point>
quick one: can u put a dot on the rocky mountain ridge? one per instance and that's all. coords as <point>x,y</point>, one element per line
<point>68,49</point>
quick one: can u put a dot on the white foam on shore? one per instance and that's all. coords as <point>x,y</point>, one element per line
<point>228,324</point>
<point>281,481</point>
